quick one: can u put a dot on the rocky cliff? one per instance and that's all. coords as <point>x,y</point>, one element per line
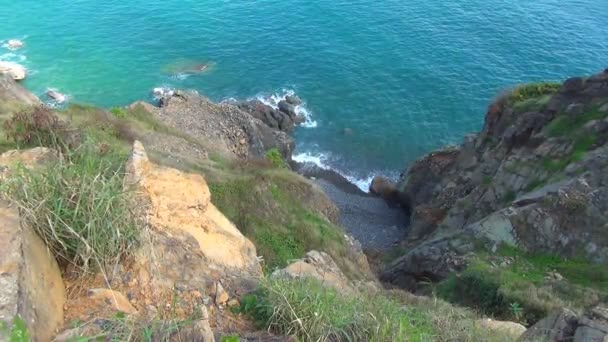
<point>534,178</point>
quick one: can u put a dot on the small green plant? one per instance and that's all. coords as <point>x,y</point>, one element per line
<point>516,310</point>
<point>276,159</point>
<point>230,339</point>
<point>17,332</point>
<point>118,112</point>
<point>487,180</point>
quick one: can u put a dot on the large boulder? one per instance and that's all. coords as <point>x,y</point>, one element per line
<point>16,71</point>
<point>564,325</point>
<point>319,266</point>
<point>31,286</point>
<point>504,328</point>
<point>180,204</point>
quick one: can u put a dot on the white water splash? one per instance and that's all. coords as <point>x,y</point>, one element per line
<point>274,99</point>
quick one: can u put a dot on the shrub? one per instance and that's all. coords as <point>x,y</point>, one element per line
<point>38,127</point>
<point>312,312</point>
<point>78,205</point>
<point>275,157</point>
<point>118,112</point>
<point>533,91</point>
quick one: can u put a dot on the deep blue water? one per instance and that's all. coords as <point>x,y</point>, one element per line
<point>404,76</point>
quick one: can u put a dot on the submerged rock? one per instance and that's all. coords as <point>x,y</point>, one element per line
<point>14,44</point>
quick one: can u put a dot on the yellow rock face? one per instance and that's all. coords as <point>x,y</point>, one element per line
<point>179,203</point>
<point>30,281</point>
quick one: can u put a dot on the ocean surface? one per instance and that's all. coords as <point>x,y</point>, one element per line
<point>383,81</point>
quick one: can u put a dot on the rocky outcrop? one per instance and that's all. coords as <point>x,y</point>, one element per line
<point>16,71</point>
<point>246,133</point>
<point>179,203</point>
<point>564,325</point>
<point>190,255</point>
<point>535,178</point>
<point>31,286</point>
<point>11,91</point>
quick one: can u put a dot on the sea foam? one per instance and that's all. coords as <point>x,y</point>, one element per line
<point>322,161</point>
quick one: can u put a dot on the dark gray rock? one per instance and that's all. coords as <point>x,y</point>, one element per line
<point>293,100</point>
<point>288,109</point>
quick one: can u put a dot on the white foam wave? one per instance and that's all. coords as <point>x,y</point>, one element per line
<point>321,160</point>
<point>274,99</point>
<point>12,57</point>
<point>308,157</point>
<point>162,91</point>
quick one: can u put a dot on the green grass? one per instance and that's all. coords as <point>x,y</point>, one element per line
<point>567,126</point>
<point>524,283</point>
<point>77,204</point>
<point>581,145</point>
<point>264,205</point>
<point>313,312</point>
<point>532,104</point>
<point>510,196</point>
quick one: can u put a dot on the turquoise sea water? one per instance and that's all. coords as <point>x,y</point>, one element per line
<point>402,76</point>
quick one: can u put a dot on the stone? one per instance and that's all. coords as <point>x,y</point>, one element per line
<point>14,70</point>
<point>30,158</point>
<point>56,96</point>
<point>558,326</point>
<point>117,300</point>
<point>387,190</point>
<point>11,91</point>
<point>221,296</point>
<point>288,109</point>
<point>319,266</point>
<point>233,303</point>
<point>293,100</point>
<point>511,329</point>
<point>573,85</point>
<point>31,285</point>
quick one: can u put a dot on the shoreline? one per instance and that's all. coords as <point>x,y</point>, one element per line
<point>369,219</point>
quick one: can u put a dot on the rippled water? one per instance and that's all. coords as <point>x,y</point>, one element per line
<point>384,81</point>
